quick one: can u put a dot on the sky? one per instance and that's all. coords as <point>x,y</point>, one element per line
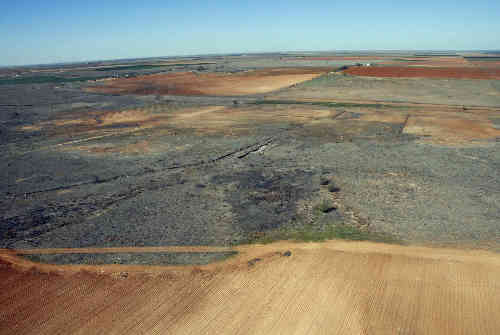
<point>53,31</point>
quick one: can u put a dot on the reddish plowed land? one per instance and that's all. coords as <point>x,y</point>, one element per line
<point>329,288</point>
<point>424,72</point>
<point>223,84</point>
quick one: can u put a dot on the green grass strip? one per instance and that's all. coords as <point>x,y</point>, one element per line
<point>44,80</point>
<point>331,232</point>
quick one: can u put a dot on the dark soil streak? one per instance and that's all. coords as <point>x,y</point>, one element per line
<point>250,148</point>
<point>403,126</point>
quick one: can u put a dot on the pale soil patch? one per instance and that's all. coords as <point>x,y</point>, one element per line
<point>383,116</point>
<point>451,130</point>
<point>202,120</point>
<point>241,120</point>
<point>441,124</point>
<point>103,126</point>
<point>125,121</point>
<point>80,122</point>
<point>31,127</point>
<point>139,147</point>
<point>332,287</point>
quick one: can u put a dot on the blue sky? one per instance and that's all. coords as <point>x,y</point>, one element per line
<point>33,32</point>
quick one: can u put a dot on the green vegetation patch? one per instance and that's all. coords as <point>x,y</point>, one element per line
<point>313,234</point>
<point>483,58</point>
<point>44,80</point>
<point>436,55</point>
<point>408,60</point>
<point>145,66</point>
<point>129,67</point>
<point>324,207</point>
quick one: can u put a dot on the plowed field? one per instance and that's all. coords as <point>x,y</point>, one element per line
<point>328,288</point>
<point>190,83</point>
<point>425,72</point>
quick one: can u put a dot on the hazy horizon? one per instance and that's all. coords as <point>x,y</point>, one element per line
<point>437,51</point>
<point>71,31</point>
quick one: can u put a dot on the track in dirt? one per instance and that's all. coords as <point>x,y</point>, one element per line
<point>333,287</point>
<point>216,84</point>
<point>425,72</point>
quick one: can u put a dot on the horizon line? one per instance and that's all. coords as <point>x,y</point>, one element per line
<point>251,53</point>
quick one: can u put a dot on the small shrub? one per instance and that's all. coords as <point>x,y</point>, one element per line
<point>325,207</point>
<point>333,188</point>
<point>324,181</point>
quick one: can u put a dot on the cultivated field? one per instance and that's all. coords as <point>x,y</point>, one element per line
<point>339,287</point>
<point>189,83</point>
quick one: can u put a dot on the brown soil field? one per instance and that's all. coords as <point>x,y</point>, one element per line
<point>446,129</point>
<point>190,83</point>
<point>322,288</point>
<point>424,72</point>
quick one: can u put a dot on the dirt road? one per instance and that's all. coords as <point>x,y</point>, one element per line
<point>332,288</point>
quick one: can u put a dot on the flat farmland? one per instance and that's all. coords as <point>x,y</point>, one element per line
<point>340,287</point>
<point>189,83</point>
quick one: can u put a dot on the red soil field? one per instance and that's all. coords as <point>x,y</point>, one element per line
<point>424,72</point>
<point>334,287</point>
<point>225,84</point>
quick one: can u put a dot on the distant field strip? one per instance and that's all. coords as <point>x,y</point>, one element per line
<point>147,66</point>
<point>45,80</point>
